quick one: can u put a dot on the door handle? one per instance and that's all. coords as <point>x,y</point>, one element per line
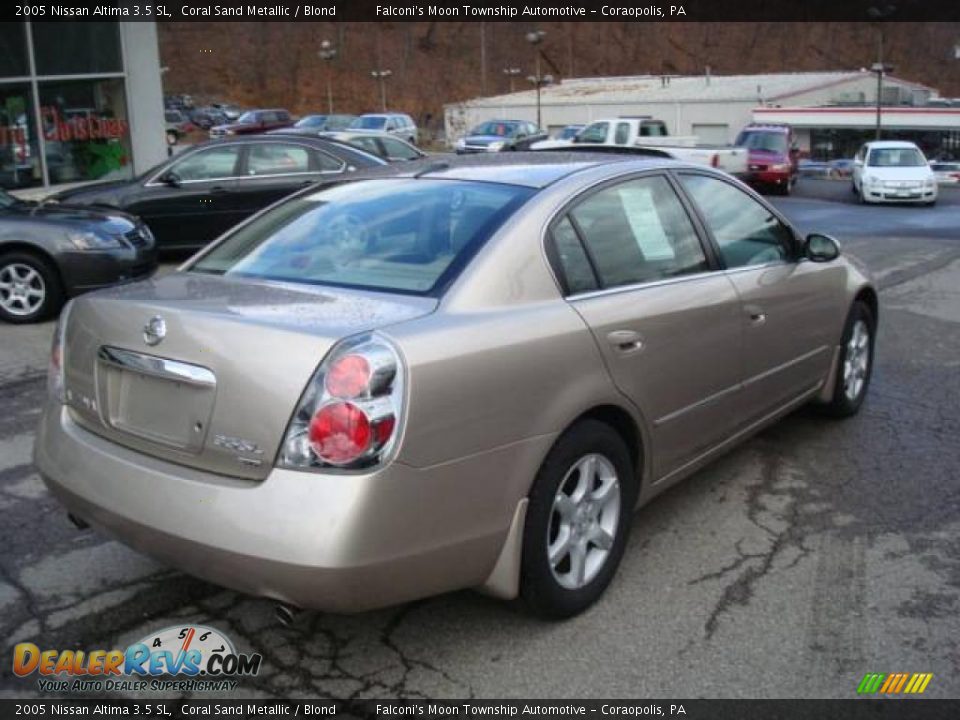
<point>756,313</point>
<point>626,341</point>
<point>218,189</point>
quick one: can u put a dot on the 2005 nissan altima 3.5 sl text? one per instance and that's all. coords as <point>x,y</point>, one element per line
<point>465,374</point>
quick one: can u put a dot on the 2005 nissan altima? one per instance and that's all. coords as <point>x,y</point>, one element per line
<point>464,375</point>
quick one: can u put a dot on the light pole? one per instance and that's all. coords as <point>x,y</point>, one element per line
<point>538,81</point>
<point>382,76</point>
<point>327,53</point>
<point>535,37</point>
<point>879,68</point>
<point>511,72</point>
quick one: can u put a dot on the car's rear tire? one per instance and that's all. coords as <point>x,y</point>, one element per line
<point>855,365</point>
<point>30,288</point>
<point>578,520</point>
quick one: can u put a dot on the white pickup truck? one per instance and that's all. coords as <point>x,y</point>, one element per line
<point>651,135</point>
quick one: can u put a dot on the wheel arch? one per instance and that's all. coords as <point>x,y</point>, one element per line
<point>23,246</point>
<point>624,424</point>
<point>504,579</point>
<point>868,296</point>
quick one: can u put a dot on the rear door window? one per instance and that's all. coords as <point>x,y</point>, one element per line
<point>638,231</point>
<point>277,159</point>
<point>397,150</point>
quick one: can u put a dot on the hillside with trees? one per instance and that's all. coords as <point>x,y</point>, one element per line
<point>431,63</point>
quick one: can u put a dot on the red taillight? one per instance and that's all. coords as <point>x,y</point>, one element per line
<point>351,413</point>
<point>715,161</point>
<point>340,433</point>
<point>348,376</point>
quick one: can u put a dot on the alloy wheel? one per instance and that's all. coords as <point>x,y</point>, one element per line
<point>856,362</point>
<point>22,289</point>
<point>583,521</point>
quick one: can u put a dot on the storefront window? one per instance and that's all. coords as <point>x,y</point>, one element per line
<point>19,154</point>
<point>13,50</point>
<point>85,130</point>
<point>75,48</point>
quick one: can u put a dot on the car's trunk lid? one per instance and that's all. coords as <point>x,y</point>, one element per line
<point>217,391</point>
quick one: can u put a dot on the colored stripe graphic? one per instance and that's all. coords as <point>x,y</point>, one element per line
<point>870,683</point>
<point>894,683</point>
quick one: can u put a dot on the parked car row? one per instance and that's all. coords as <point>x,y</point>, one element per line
<point>201,193</point>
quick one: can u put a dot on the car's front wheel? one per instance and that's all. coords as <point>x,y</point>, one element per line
<point>30,288</point>
<point>855,364</point>
<point>578,520</point>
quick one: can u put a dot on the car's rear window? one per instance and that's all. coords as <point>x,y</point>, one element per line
<point>397,235</point>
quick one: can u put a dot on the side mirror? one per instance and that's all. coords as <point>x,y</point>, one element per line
<point>821,248</point>
<point>171,178</point>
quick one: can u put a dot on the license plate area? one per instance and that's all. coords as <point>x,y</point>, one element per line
<point>163,401</point>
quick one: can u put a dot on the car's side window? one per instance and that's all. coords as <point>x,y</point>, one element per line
<point>622,134</point>
<point>277,159</point>
<point>573,259</point>
<point>746,232</point>
<point>211,164</point>
<point>398,150</point>
<point>638,231</point>
<point>595,133</point>
<point>367,144</point>
<point>326,163</point>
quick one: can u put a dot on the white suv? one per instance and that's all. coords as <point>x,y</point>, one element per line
<point>893,171</point>
<point>397,124</point>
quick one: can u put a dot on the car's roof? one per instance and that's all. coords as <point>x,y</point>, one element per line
<point>528,169</point>
<point>891,144</point>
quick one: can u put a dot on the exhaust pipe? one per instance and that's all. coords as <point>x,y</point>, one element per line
<point>78,523</point>
<point>286,614</point>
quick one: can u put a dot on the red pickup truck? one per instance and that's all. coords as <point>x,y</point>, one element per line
<point>254,121</point>
<point>772,157</point>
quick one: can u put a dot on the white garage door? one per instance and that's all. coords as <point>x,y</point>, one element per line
<point>712,134</point>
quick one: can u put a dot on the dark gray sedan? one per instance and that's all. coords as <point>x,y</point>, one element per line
<point>49,253</point>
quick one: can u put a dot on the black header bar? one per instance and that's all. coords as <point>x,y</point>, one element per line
<point>482,10</point>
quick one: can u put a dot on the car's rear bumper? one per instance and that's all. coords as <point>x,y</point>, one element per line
<point>336,542</point>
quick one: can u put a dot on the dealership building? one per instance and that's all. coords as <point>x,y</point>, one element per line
<point>832,113</point>
<point>79,101</point>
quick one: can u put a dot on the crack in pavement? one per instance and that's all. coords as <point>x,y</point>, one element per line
<point>740,591</point>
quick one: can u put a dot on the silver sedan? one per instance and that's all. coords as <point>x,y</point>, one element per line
<point>466,374</point>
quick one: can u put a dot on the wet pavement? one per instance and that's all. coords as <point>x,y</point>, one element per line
<point>816,552</point>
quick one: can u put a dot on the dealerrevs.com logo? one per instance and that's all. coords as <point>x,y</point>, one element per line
<point>177,658</point>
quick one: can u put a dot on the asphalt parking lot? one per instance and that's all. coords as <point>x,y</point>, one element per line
<point>813,554</point>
